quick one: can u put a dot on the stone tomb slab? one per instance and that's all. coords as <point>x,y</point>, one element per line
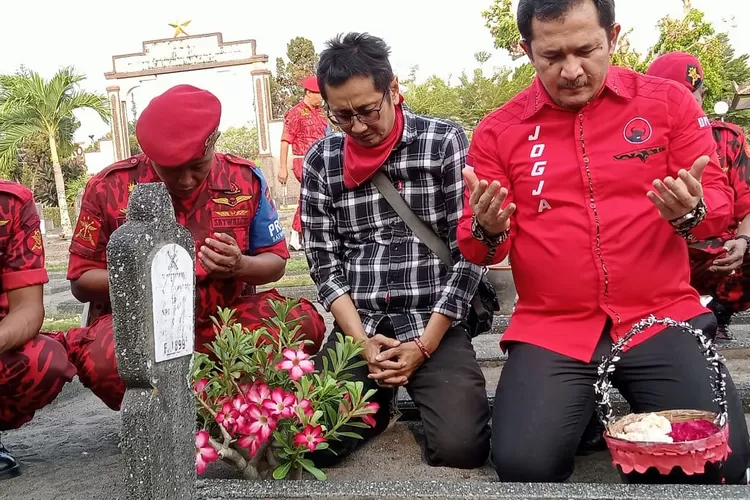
<point>449,490</point>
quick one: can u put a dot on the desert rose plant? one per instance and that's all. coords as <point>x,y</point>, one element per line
<point>263,406</point>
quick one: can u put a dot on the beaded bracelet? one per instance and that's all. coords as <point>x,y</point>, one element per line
<point>422,348</point>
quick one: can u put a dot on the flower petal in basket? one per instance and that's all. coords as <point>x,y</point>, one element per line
<point>690,456</point>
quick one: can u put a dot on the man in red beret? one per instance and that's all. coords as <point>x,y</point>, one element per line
<point>304,124</point>
<point>222,199</point>
<point>34,367</point>
<point>718,267</point>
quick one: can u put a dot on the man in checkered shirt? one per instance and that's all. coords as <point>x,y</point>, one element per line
<point>382,284</point>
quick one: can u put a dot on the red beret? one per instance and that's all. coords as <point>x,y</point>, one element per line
<point>310,83</point>
<point>175,127</point>
<point>680,67</point>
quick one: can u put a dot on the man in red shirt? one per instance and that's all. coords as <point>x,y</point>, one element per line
<point>34,367</point>
<point>222,199</point>
<point>304,125</point>
<point>717,265</point>
<point>590,179</point>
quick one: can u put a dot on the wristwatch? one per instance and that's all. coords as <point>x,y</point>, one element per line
<point>747,240</point>
<point>477,231</point>
<point>683,225</point>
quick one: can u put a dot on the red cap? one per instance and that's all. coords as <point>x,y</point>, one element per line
<point>680,67</point>
<point>176,127</point>
<point>310,83</point>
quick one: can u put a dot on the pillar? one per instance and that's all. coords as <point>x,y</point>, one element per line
<point>115,108</point>
<point>262,91</point>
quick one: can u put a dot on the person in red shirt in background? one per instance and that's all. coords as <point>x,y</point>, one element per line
<point>717,265</point>
<point>591,179</point>
<point>34,367</point>
<point>304,125</point>
<point>222,199</point>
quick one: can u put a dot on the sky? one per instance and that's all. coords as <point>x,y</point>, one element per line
<point>49,34</point>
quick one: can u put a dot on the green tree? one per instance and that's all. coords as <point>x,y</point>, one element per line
<point>285,88</point>
<point>501,22</point>
<point>472,98</point>
<point>31,105</point>
<point>721,67</point>
<point>135,148</point>
<point>240,141</point>
<point>34,169</point>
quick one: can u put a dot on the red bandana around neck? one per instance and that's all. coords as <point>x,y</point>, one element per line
<point>361,163</point>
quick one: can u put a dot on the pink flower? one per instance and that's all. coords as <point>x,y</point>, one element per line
<point>200,385</point>
<point>259,392</point>
<point>345,405</point>
<point>297,363</point>
<point>251,443</point>
<point>204,452</point>
<point>310,437</point>
<point>369,417</point>
<point>306,407</point>
<point>280,404</point>
<point>692,430</point>
<point>262,423</point>
<point>227,417</point>
<point>240,404</point>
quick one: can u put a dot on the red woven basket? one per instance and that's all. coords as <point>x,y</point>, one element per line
<point>690,456</point>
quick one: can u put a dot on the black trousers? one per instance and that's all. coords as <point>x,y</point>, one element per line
<point>449,391</point>
<point>544,401</point>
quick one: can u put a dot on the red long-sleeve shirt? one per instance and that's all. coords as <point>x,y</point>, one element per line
<point>585,242</point>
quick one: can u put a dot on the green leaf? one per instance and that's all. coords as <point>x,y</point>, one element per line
<point>360,425</point>
<point>356,364</point>
<point>350,435</point>
<point>321,446</point>
<point>309,467</point>
<point>282,470</point>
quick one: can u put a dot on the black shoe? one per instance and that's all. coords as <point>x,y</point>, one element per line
<point>723,319</point>
<point>9,466</point>
<point>592,440</point>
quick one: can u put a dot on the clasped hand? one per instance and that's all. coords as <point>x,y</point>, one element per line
<point>220,256</point>
<point>390,361</point>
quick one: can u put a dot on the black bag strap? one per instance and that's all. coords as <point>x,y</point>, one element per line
<point>421,230</point>
<point>412,220</point>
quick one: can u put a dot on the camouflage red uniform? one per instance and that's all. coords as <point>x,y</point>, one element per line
<point>32,376</point>
<point>234,199</point>
<point>733,291</point>
<point>303,127</point>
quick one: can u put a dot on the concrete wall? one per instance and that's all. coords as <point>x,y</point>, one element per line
<point>98,161</point>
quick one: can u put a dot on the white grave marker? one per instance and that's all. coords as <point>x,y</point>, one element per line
<point>172,292</point>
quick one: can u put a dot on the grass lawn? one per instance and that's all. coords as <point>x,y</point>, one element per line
<point>61,324</point>
<point>297,264</point>
<point>289,281</point>
<point>296,268</point>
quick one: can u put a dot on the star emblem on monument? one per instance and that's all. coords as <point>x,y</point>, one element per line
<point>179,28</point>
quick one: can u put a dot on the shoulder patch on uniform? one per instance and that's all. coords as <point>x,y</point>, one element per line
<point>87,231</point>
<point>34,242</point>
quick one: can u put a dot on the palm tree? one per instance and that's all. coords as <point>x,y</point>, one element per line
<point>31,106</point>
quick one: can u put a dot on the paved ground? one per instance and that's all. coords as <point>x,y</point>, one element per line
<point>70,450</point>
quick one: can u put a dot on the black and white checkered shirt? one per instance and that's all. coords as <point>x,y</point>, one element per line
<point>356,243</point>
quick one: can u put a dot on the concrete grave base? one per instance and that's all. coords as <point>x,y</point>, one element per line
<point>439,490</point>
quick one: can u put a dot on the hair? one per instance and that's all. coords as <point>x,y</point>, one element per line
<point>554,10</point>
<point>354,54</point>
